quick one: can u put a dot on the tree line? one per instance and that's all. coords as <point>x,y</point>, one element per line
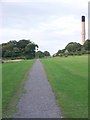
<point>23,49</point>
<point>74,48</point>
<point>26,49</point>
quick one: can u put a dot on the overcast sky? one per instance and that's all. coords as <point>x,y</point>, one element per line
<point>51,24</point>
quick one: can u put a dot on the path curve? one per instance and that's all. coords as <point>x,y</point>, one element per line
<point>38,101</point>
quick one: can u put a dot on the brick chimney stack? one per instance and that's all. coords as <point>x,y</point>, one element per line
<point>83,30</point>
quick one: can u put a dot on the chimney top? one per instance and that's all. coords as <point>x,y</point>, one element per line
<point>83,18</point>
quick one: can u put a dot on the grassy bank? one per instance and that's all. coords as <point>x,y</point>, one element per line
<point>69,80</point>
<point>14,75</point>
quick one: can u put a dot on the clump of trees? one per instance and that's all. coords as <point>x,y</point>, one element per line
<point>74,48</point>
<point>26,49</point>
<point>40,54</point>
<point>22,49</point>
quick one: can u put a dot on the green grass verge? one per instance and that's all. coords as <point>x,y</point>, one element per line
<point>0,91</point>
<point>69,80</point>
<point>14,75</point>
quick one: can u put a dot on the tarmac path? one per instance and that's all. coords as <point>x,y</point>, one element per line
<point>38,101</point>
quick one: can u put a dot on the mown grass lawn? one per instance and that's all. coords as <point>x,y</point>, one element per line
<point>13,76</point>
<point>69,80</point>
<point>0,90</point>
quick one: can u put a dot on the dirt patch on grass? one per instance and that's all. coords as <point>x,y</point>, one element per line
<point>6,61</point>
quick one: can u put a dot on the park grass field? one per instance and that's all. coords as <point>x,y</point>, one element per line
<point>69,80</point>
<point>14,75</point>
<point>0,90</point>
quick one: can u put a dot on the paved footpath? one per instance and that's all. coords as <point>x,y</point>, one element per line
<point>38,101</point>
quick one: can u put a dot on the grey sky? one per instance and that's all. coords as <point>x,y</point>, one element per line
<point>50,24</point>
<point>89,20</point>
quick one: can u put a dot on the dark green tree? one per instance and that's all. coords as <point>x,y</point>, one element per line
<point>73,47</point>
<point>16,52</point>
<point>60,52</point>
<point>46,53</point>
<point>7,48</point>
<point>0,51</point>
<point>8,54</point>
<point>39,54</point>
<point>87,45</point>
<point>30,50</point>
<point>22,43</point>
<point>21,49</point>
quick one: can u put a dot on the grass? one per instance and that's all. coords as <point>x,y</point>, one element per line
<point>0,90</point>
<point>14,75</point>
<point>69,80</point>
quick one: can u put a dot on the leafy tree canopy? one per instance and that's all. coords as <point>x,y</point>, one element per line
<point>46,53</point>
<point>75,48</point>
<point>21,49</point>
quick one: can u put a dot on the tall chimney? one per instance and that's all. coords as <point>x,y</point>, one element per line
<point>83,30</point>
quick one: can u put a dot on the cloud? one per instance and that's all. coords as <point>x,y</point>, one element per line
<point>49,24</point>
<point>21,14</point>
<point>60,1</point>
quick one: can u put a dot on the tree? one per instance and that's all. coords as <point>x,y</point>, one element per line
<point>46,53</point>
<point>16,52</point>
<point>30,50</point>
<point>22,43</point>
<point>8,54</point>
<point>66,53</point>
<point>60,52</point>
<point>39,54</point>
<point>0,51</point>
<point>73,47</point>
<point>7,48</point>
<point>87,45</point>
<point>21,49</point>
